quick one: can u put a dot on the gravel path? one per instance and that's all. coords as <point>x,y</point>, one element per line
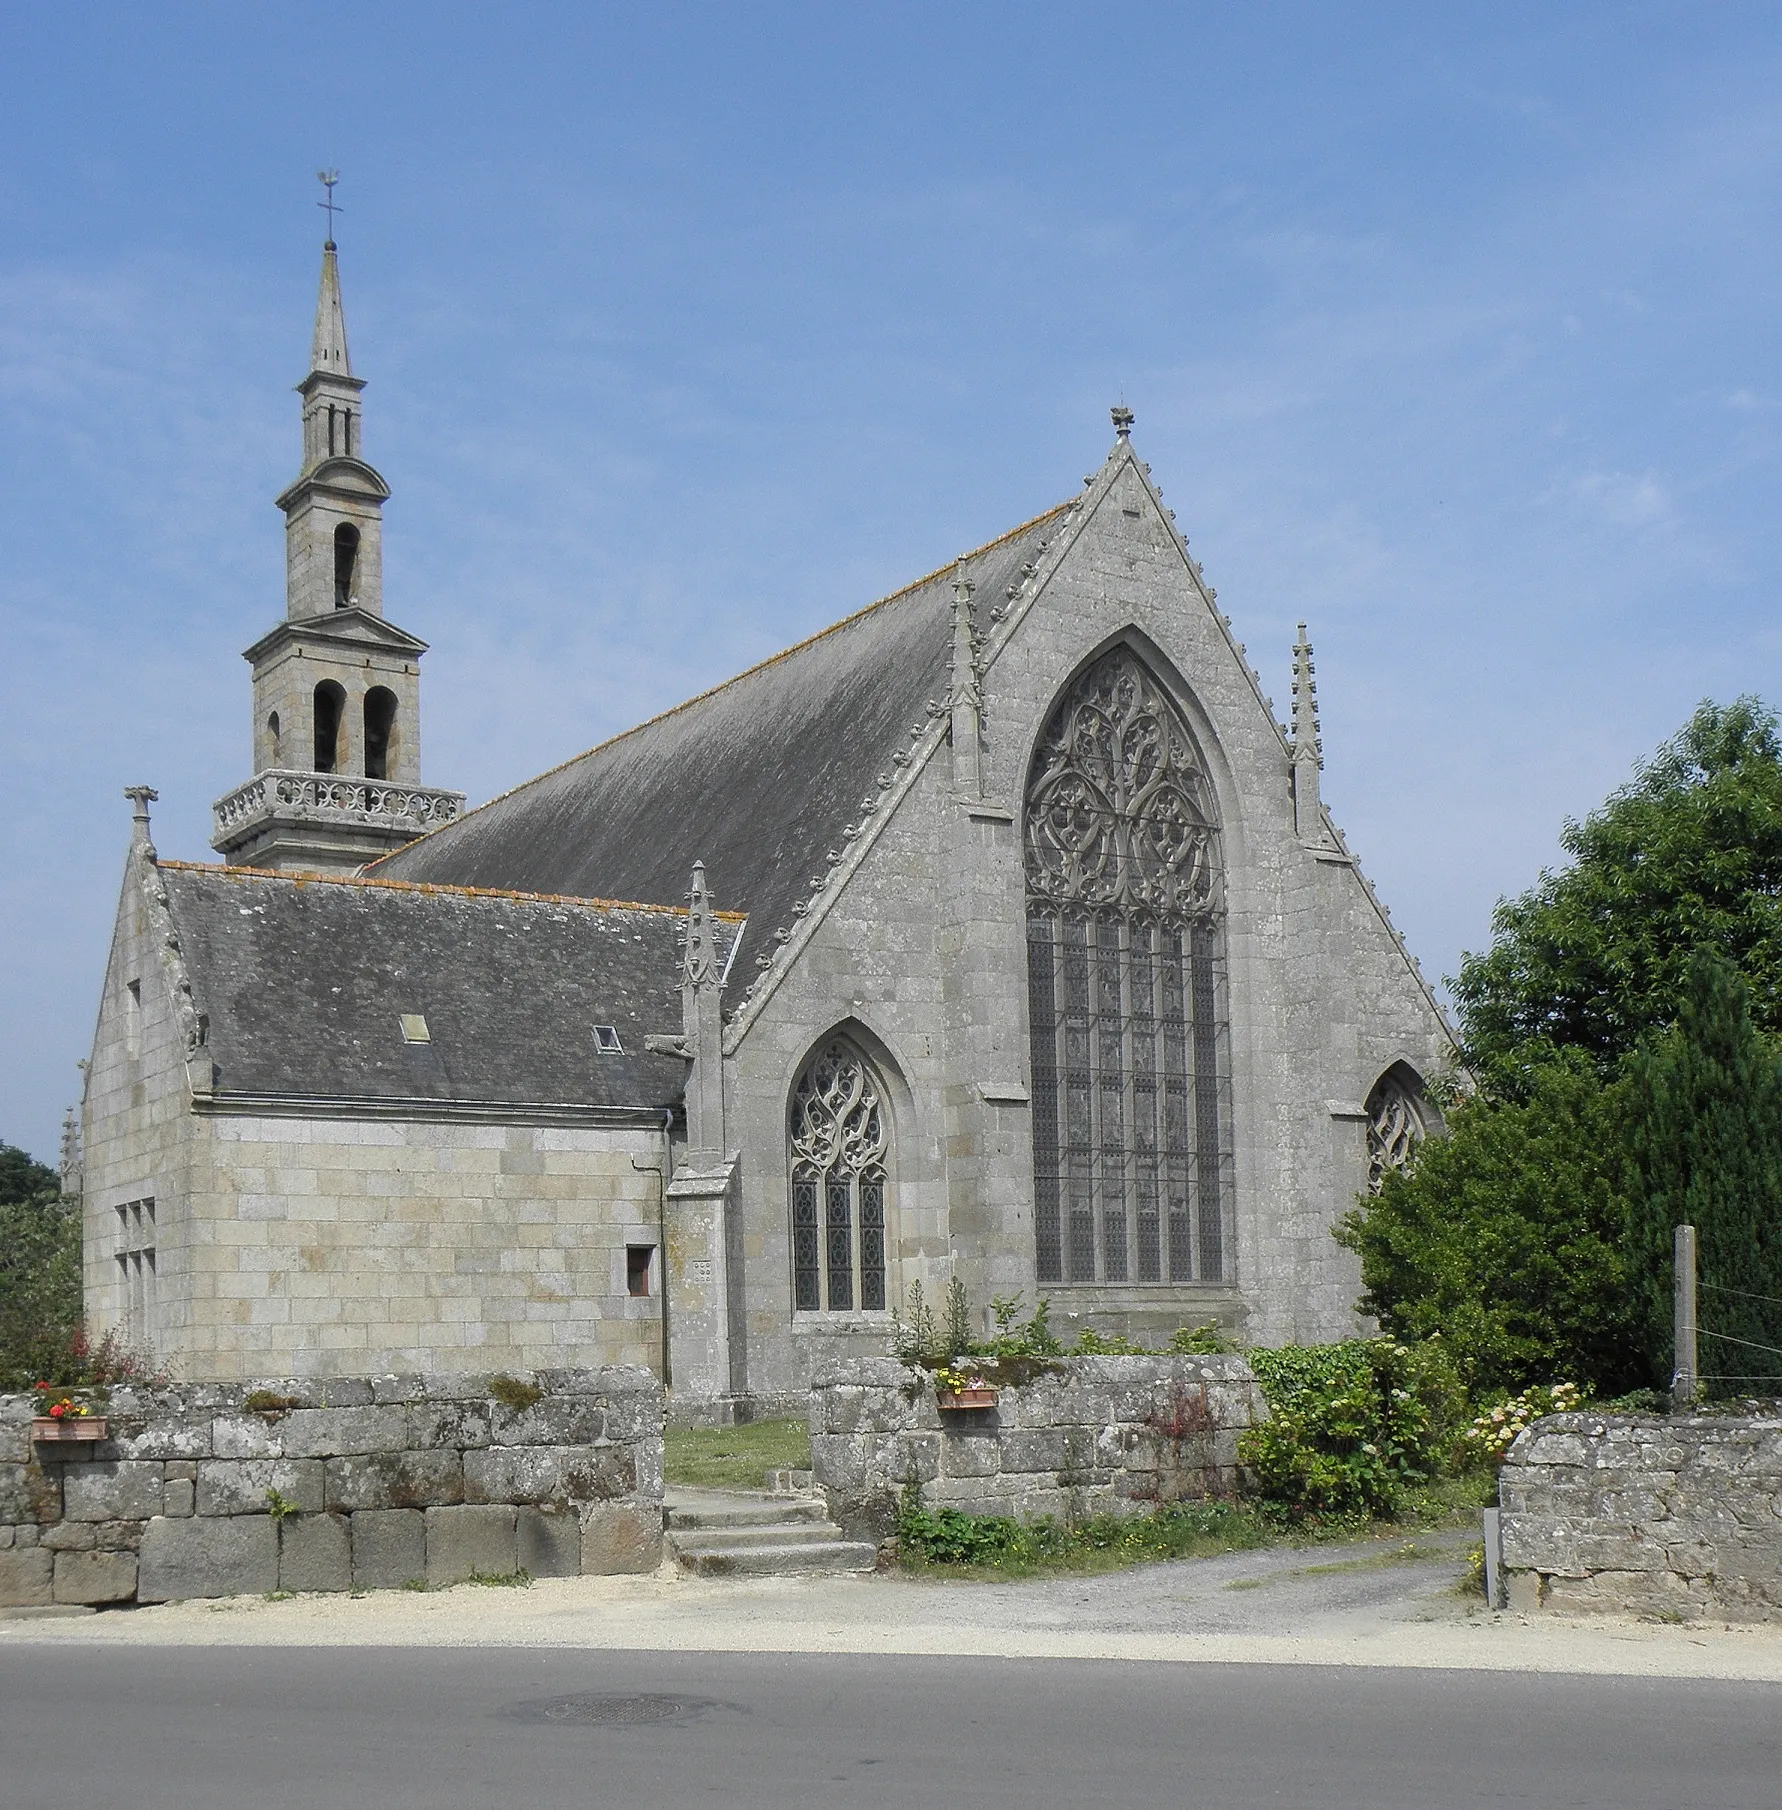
<point>1391,1602</point>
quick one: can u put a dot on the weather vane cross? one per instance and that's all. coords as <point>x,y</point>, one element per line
<point>328,178</point>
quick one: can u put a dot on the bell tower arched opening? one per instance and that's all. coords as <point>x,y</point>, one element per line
<point>380,731</point>
<point>330,712</point>
<point>346,565</point>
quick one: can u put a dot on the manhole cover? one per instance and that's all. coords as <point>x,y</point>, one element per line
<point>592,1710</point>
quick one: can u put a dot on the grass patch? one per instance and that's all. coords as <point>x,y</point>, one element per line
<point>503,1580</point>
<point>734,1457</point>
<point>990,1546</point>
<point>943,1542</point>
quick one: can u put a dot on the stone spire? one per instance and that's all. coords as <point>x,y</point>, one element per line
<point>966,700</point>
<point>329,352</point>
<point>699,959</point>
<point>333,408</point>
<point>702,1022</point>
<point>1307,747</point>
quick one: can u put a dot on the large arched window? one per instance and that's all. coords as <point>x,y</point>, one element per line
<point>1125,966</point>
<point>838,1138</point>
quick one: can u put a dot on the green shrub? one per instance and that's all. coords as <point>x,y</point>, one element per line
<point>1351,1427</point>
<point>945,1536</point>
<point>40,1286</point>
<point>1018,1338</point>
<point>1093,1344</point>
<point>1210,1340</point>
<point>1506,1239</point>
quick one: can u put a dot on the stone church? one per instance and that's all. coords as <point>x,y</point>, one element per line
<point>996,932</point>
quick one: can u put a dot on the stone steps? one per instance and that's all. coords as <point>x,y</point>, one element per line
<point>686,1514</point>
<point>732,1534</point>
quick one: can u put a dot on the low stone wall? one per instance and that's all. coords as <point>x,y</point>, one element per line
<point>1080,1437</point>
<point>391,1479</point>
<point>1637,1515</point>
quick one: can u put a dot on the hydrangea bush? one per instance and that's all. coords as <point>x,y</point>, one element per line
<point>1493,1433</point>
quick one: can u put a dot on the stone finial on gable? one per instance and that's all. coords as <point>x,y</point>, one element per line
<point>69,1166</point>
<point>702,1021</point>
<point>141,797</point>
<point>1306,740</point>
<point>699,959</point>
<point>966,701</point>
<point>1122,418</point>
<point>1307,747</point>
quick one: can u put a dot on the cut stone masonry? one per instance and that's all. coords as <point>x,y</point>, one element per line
<point>1081,1437</point>
<point>1679,1517</point>
<point>378,1482</point>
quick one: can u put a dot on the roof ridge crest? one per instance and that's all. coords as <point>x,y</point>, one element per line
<point>438,886</point>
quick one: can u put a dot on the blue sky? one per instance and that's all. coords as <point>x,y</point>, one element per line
<point>691,328</point>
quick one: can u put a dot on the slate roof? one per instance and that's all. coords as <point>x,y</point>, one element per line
<point>305,981</point>
<point>757,777</point>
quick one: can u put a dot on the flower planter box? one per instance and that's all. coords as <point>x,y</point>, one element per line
<point>49,1431</point>
<point>954,1401</point>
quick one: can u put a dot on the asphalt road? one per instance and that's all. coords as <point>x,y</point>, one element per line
<point>381,1729</point>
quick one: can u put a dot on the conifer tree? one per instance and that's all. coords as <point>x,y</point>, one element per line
<point>40,1281</point>
<point>1705,1148</point>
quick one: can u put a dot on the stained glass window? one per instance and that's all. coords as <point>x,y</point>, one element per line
<point>838,1144</point>
<point>1126,999</point>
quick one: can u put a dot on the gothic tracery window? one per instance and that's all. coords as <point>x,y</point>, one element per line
<point>1125,962</point>
<point>839,1143</point>
<point>1397,1124</point>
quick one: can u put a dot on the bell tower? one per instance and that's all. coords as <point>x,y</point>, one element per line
<point>337,688</point>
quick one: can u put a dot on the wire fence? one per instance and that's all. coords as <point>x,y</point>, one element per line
<point>1744,1294</point>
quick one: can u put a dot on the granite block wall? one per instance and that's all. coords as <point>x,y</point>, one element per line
<point>1678,1517</point>
<point>388,1479</point>
<point>1081,1437</point>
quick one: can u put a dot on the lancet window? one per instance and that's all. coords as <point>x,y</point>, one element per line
<point>839,1144</point>
<point>1397,1123</point>
<point>1126,989</point>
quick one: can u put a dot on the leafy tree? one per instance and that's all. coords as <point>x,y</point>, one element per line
<point>1593,957</point>
<point>1705,1142</point>
<point>1505,1240</point>
<point>40,1280</point>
